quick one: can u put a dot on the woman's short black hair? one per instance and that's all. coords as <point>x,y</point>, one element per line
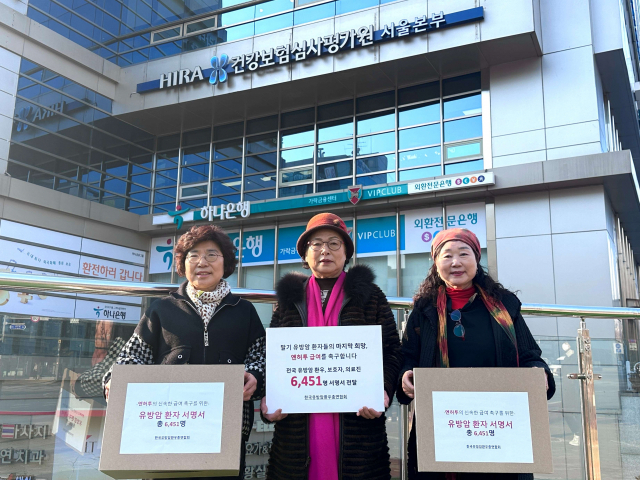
<point>203,233</point>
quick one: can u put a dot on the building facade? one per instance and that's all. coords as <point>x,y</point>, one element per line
<point>124,123</point>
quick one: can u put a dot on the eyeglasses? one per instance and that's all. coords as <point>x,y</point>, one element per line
<point>458,329</point>
<point>209,257</point>
<point>316,245</point>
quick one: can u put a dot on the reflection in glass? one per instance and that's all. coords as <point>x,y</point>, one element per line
<point>381,143</point>
<point>376,123</point>
<point>227,168</point>
<point>261,163</point>
<point>296,190</point>
<point>335,130</point>
<point>231,149</point>
<point>463,129</point>
<point>274,23</point>
<point>201,25</point>
<point>193,191</point>
<point>335,150</point>
<point>463,106</point>
<point>296,137</point>
<point>466,150</point>
<point>260,195</point>
<point>312,14</point>
<point>465,83</point>
<point>334,185</point>
<point>419,114</point>
<point>301,175</point>
<point>296,156</point>
<point>376,179</point>
<point>223,187</point>
<point>195,174</point>
<point>419,173</point>
<point>165,34</point>
<point>422,156</point>
<point>195,155</point>
<point>464,167</point>
<point>262,143</point>
<point>255,182</point>
<point>419,136</point>
<point>377,163</point>
<point>335,170</point>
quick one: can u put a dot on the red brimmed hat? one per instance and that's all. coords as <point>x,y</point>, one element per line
<point>325,220</point>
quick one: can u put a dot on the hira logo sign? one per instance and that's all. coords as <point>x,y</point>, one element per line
<point>362,37</point>
<point>34,114</point>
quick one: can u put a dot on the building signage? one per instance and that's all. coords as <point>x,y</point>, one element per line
<point>35,114</point>
<point>222,67</point>
<point>377,236</point>
<point>452,183</point>
<point>161,255</point>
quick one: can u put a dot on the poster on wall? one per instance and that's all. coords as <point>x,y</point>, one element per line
<point>258,247</point>
<point>95,310</point>
<point>377,236</point>
<point>421,226</point>
<point>42,236</point>
<point>115,252</point>
<point>39,257</point>
<point>99,268</point>
<point>161,255</point>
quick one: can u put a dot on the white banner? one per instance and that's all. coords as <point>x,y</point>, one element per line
<point>96,310</point>
<point>27,233</point>
<point>161,255</point>
<point>422,225</point>
<point>172,418</point>
<point>482,427</point>
<point>116,252</point>
<point>39,257</point>
<point>309,372</point>
<point>453,182</point>
<point>96,267</point>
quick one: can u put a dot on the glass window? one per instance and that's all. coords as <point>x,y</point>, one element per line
<point>261,163</point>
<point>195,174</point>
<point>162,181</point>
<point>376,122</point>
<point>414,268</point>
<point>195,155</point>
<point>167,160</point>
<point>169,142</point>
<point>465,83</point>
<point>274,23</point>
<point>297,118</point>
<point>335,110</point>
<point>193,191</point>
<point>463,129</point>
<point>165,195</point>
<point>115,185</point>
<point>334,185</point>
<point>254,196</point>
<point>168,33</point>
<point>296,156</point>
<point>237,16</point>
<point>226,187</point>
<point>418,93</point>
<point>384,268</point>
<point>143,196</point>
<point>335,150</point>
<point>227,168</point>
<point>262,143</point>
<point>335,170</point>
<point>219,200</point>
<point>422,156</point>
<point>376,179</point>
<point>419,136</point>
<point>380,143</point>
<point>296,190</point>
<point>463,106</point>
<point>255,182</point>
<point>196,137</point>
<point>224,150</point>
<point>419,114</point>
<point>273,6</point>
<point>377,163</point>
<point>459,152</point>
<point>259,125</point>
<point>196,203</point>
<point>203,24</point>
<point>472,166</point>
<point>312,14</point>
<point>419,173</point>
<point>335,130</point>
<point>298,175</point>
<point>231,34</point>
<point>296,137</point>
<point>376,102</point>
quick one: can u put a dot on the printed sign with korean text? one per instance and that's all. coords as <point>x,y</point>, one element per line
<point>453,182</point>
<point>324,370</point>
<point>482,427</point>
<point>161,418</point>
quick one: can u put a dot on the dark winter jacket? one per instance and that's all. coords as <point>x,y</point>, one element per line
<point>171,332</point>
<point>364,453</point>
<point>420,349</point>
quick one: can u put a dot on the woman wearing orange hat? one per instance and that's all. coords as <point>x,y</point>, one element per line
<point>332,446</point>
<point>463,318</point>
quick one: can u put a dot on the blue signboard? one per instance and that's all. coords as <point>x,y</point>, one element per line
<point>258,247</point>
<point>287,239</point>
<point>378,236</point>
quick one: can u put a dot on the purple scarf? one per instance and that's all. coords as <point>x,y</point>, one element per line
<point>324,428</point>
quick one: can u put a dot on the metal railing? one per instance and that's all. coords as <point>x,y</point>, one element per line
<point>41,283</point>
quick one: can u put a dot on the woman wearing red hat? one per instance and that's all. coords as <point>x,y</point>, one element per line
<point>463,318</point>
<point>332,446</point>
